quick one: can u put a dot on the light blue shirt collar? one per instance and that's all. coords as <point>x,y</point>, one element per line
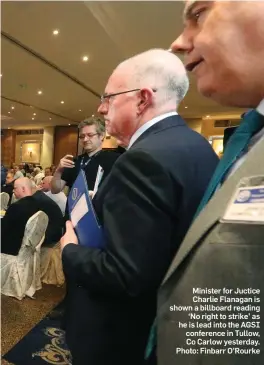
<point>147,125</point>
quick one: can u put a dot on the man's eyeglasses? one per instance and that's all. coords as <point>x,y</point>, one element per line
<point>88,135</point>
<point>108,96</point>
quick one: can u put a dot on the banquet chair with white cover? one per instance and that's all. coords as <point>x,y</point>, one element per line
<point>51,265</point>
<point>20,275</point>
<point>4,200</point>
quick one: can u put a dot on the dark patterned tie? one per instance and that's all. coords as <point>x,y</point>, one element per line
<point>238,142</point>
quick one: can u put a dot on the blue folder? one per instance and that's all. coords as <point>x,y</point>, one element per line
<point>83,216</point>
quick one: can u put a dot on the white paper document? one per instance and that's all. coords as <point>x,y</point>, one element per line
<point>80,209</point>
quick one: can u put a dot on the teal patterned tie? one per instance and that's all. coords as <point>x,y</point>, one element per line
<point>238,142</point>
<point>250,125</point>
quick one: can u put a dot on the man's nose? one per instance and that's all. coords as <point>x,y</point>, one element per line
<point>102,109</point>
<point>181,45</point>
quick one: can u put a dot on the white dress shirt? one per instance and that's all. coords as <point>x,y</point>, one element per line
<point>59,199</point>
<point>147,125</point>
<point>18,175</point>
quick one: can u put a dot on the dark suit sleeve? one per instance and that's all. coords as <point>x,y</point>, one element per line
<point>10,232</point>
<point>138,218</point>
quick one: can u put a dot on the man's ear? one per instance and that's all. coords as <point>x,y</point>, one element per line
<point>145,99</point>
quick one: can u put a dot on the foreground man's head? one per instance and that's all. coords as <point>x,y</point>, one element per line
<point>141,88</point>
<point>223,44</point>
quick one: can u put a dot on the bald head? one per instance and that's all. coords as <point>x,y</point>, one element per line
<point>46,182</point>
<point>23,187</point>
<point>159,70</point>
<point>141,88</point>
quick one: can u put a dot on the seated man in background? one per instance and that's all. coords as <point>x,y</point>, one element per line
<point>38,175</point>
<point>17,172</point>
<point>30,202</point>
<point>59,198</point>
<point>48,171</point>
<point>22,168</point>
<point>9,185</point>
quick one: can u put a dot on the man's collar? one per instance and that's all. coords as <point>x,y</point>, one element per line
<point>147,125</point>
<point>260,108</point>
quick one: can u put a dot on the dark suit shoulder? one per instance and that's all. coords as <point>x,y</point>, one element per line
<point>108,156</point>
<point>45,201</point>
<point>177,143</point>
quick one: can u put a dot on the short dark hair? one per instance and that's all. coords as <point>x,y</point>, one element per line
<point>98,122</point>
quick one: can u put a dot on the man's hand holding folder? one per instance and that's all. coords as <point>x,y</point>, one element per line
<point>69,236</point>
<point>83,218</point>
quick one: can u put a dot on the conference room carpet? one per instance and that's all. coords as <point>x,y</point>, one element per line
<point>20,317</point>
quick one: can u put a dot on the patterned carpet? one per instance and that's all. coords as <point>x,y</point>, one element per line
<point>19,317</point>
<point>44,344</point>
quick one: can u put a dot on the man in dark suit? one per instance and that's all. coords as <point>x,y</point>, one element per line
<point>222,251</point>
<point>30,202</point>
<point>145,207</point>
<point>8,187</point>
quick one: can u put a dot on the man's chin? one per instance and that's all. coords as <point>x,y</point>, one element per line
<point>88,149</point>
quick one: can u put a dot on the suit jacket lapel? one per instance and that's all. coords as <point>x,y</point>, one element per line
<point>216,207</point>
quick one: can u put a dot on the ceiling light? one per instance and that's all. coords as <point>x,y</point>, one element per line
<point>8,112</point>
<point>93,115</point>
<point>80,110</point>
<point>56,31</point>
<point>34,114</point>
<point>186,107</point>
<point>33,118</point>
<point>12,107</point>
<point>39,92</point>
<point>8,128</point>
<point>49,118</point>
<point>208,116</point>
<point>62,102</point>
<point>85,58</point>
<point>69,124</point>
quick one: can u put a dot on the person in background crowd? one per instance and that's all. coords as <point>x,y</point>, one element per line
<point>222,42</point>
<point>53,169</point>
<point>30,202</point>
<point>145,207</point>
<point>91,134</point>
<point>22,168</point>
<point>31,168</point>
<point>27,169</point>
<point>9,185</point>
<point>3,174</point>
<point>17,172</point>
<point>48,171</point>
<point>38,175</point>
<point>59,198</point>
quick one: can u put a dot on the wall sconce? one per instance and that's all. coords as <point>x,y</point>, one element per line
<point>30,151</point>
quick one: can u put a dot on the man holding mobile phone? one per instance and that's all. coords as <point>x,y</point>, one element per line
<point>91,135</point>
